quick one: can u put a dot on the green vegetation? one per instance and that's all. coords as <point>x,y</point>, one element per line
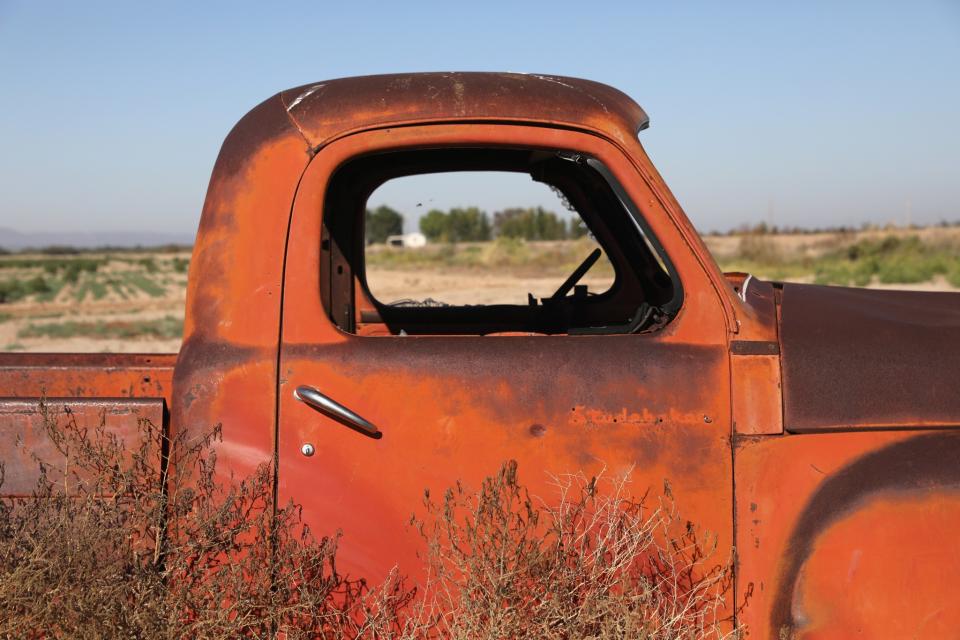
<point>456,225</point>
<point>118,288</point>
<point>41,279</point>
<point>529,224</point>
<point>180,265</point>
<point>16,289</point>
<point>4,317</point>
<point>145,284</point>
<point>889,259</point>
<point>382,223</point>
<point>473,225</point>
<point>71,267</point>
<point>166,328</point>
<point>953,276</point>
<point>53,288</point>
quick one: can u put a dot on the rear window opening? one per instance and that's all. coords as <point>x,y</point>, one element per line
<point>488,241</point>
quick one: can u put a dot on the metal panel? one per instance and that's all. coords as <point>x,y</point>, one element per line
<point>23,434</point>
<point>324,111</point>
<point>86,375</point>
<point>867,359</point>
<point>755,384</point>
<point>844,535</point>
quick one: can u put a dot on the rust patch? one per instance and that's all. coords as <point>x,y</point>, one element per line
<point>326,110</point>
<point>538,430</point>
<point>754,348</point>
<point>866,359</point>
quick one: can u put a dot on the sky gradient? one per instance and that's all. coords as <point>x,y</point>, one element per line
<point>817,114</point>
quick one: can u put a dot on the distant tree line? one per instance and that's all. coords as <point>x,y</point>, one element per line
<point>472,224</point>
<point>536,224</point>
<point>456,225</point>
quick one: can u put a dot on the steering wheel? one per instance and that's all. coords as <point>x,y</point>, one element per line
<point>577,274</point>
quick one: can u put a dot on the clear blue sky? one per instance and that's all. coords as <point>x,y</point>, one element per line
<point>825,112</point>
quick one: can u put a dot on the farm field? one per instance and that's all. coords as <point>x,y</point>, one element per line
<point>133,301</point>
<point>117,302</point>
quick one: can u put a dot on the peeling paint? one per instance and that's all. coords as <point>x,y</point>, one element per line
<point>305,94</point>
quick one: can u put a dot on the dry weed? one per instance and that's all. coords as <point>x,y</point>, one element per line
<point>597,563</point>
<point>155,543</point>
<point>108,546</point>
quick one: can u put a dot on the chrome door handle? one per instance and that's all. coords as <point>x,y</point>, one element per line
<point>333,409</point>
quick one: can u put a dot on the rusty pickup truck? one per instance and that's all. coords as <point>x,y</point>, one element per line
<point>815,429</point>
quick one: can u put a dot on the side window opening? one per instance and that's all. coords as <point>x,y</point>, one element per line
<point>409,247</point>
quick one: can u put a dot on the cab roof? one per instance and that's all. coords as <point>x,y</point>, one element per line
<point>327,110</point>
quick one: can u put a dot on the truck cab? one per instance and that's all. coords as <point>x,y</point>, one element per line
<point>784,417</point>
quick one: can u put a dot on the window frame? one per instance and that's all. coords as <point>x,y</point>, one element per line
<point>707,315</point>
<point>647,316</point>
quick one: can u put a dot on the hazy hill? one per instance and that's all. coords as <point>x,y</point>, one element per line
<point>13,240</point>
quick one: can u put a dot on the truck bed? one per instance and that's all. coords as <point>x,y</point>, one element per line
<point>86,375</point>
<point>116,390</point>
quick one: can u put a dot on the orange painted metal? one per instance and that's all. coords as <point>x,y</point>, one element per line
<point>852,534</point>
<point>457,407</point>
<point>326,111</point>
<point>23,436</point>
<point>757,403</point>
<point>87,375</point>
<point>845,529</point>
<point>757,400</point>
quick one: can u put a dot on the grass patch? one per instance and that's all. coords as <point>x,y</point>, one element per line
<point>166,328</point>
<point>953,276</point>
<point>80,291</point>
<point>54,286</point>
<point>889,260</point>
<point>4,317</point>
<point>557,258</point>
<point>17,289</point>
<point>99,289</point>
<point>118,288</point>
<point>53,265</point>
<point>145,284</point>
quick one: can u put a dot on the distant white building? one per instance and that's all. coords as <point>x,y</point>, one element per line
<point>413,240</point>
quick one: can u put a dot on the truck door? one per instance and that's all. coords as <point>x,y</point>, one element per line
<point>380,401</point>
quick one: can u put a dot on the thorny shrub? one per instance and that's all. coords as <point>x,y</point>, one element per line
<point>109,547</point>
<point>598,563</point>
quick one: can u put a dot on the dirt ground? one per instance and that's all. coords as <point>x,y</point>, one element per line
<point>468,288</point>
